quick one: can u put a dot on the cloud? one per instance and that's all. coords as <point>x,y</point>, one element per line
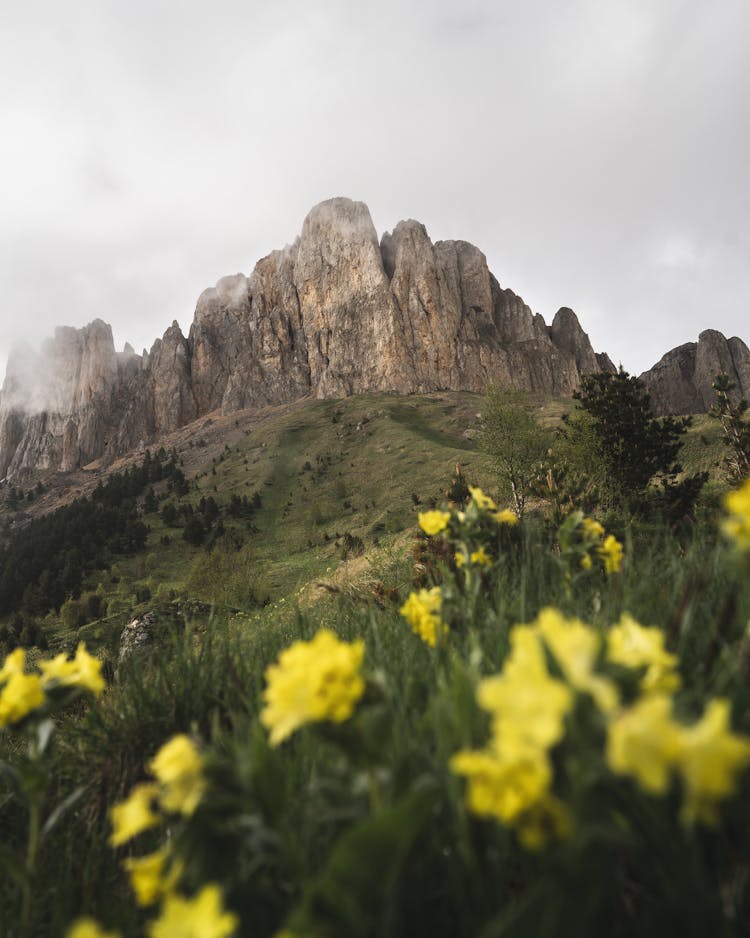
<point>148,152</point>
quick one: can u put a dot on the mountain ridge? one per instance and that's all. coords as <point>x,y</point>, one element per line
<point>338,312</point>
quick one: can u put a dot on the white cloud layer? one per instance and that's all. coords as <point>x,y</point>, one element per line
<point>597,151</point>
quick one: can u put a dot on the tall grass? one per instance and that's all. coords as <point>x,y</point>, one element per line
<point>361,828</point>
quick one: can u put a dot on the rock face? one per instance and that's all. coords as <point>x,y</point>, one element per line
<point>336,313</point>
<point>680,383</point>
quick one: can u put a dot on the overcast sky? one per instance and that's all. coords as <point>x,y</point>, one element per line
<point>597,151</point>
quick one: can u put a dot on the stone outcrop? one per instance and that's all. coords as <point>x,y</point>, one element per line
<point>680,382</point>
<point>335,313</point>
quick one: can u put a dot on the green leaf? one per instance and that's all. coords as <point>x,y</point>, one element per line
<point>355,893</point>
<point>43,735</point>
<point>60,810</point>
<point>13,865</point>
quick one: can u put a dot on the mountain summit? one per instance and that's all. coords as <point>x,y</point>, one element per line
<point>336,313</point>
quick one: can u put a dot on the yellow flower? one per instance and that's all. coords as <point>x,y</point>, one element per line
<point>710,759</point>
<point>203,916</point>
<point>460,559</point>
<point>592,528</point>
<point>83,671</point>
<point>152,876</point>
<point>645,742</point>
<point>481,500</point>
<point>13,664</point>
<point>481,558</point>
<point>576,648</point>
<point>433,522</point>
<point>179,768</point>
<point>528,707</point>
<point>503,787</point>
<point>506,516</point>
<point>87,928</point>
<point>422,611</point>
<point>635,646</point>
<point>312,681</point>
<point>737,525</point>
<point>134,815</point>
<point>611,553</point>
<point>21,694</point>
<point>586,562</point>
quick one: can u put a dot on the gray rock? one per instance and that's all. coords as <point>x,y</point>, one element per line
<point>681,381</point>
<point>335,313</point>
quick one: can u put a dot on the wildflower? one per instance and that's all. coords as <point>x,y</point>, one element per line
<point>152,876</point>
<point>482,501</point>
<point>13,664</point>
<point>179,768</point>
<point>88,928</point>
<point>635,646</point>
<point>433,522</point>
<point>481,558</point>
<point>611,553</point>
<point>460,558</point>
<point>203,916</point>
<point>422,611</point>
<point>737,525</point>
<point>528,706</point>
<point>83,671</point>
<point>710,758</point>
<point>645,742</point>
<point>134,815</point>
<point>503,787</point>
<point>576,648</point>
<point>592,529</point>
<point>21,694</point>
<point>312,681</point>
<point>506,516</point>
<point>586,562</point>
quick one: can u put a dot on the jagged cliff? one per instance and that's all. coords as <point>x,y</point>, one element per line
<point>335,313</point>
<point>680,382</point>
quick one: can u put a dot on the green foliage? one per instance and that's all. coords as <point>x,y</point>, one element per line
<point>628,447</point>
<point>226,574</point>
<point>633,445</point>
<point>515,443</point>
<point>732,415</point>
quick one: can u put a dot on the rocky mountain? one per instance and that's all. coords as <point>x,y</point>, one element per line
<point>680,382</point>
<point>336,313</point>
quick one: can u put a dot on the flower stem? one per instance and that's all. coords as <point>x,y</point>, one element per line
<point>31,851</point>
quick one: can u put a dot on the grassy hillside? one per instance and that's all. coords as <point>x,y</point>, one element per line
<point>338,485</point>
<point>301,519</point>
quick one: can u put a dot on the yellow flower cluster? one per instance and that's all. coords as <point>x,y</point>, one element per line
<point>312,681</point>
<point>485,503</point>
<point>203,916</point>
<point>22,694</point>
<point>511,779</point>
<point>610,551</point>
<point>737,525</point>
<point>433,522</point>
<point>179,786</point>
<point>585,540</point>
<point>422,611</point>
<point>648,744</point>
<point>635,646</point>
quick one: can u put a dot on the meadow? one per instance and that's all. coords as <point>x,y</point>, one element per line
<point>452,723</point>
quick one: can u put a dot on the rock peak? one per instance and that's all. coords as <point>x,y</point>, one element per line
<point>335,313</point>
